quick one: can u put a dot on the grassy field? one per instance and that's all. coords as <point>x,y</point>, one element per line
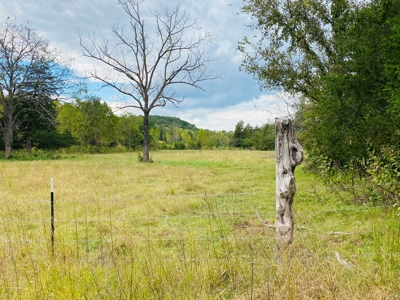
<point>186,227</point>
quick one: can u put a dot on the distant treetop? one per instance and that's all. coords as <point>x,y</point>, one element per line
<point>171,121</point>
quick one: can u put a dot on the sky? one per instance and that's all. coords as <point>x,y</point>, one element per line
<point>233,97</point>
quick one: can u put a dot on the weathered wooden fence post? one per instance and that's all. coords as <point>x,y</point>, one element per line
<point>289,154</point>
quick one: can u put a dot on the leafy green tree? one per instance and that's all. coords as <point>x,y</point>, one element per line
<point>264,137</point>
<point>90,121</point>
<point>301,42</point>
<point>166,121</point>
<point>173,134</point>
<point>179,145</point>
<point>69,119</point>
<point>339,56</point>
<point>155,134</point>
<point>222,138</point>
<point>242,136</point>
<point>297,44</point>
<point>98,122</point>
<point>357,113</point>
<point>238,134</point>
<point>202,138</point>
<point>36,131</point>
<point>187,138</point>
<point>31,76</point>
<point>130,131</point>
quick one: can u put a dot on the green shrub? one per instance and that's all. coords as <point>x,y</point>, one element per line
<point>36,154</point>
<point>383,177</point>
<point>179,145</point>
<point>377,180</point>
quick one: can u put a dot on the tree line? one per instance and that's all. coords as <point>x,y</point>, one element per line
<point>144,59</point>
<point>44,105</point>
<point>339,58</point>
<point>90,125</point>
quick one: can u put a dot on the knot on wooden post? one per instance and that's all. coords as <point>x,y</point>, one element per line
<point>289,154</point>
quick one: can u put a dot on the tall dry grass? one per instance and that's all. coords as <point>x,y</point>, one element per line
<point>185,227</point>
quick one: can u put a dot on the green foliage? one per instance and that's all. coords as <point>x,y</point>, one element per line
<point>242,136</point>
<point>355,113</point>
<point>90,121</point>
<point>69,119</point>
<point>383,177</point>
<point>52,140</point>
<point>130,131</point>
<point>293,50</point>
<point>248,137</point>
<point>164,121</point>
<point>341,179</point>
<point>375,180</point>
<point>341,58</point>
<point>203,139</point>
<point>187,139</point>
<point>36,154</point>
<point>98,122</point>
<point>264,137</point>
<point>31,77</point>
<point>179,145</point>
<point>301,44</point>
<point>90,126</point>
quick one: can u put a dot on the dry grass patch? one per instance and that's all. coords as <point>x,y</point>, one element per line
<point>185,227</point>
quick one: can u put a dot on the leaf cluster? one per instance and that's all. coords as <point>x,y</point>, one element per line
<point>339,58</point>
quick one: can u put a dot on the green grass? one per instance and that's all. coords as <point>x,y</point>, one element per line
<point>185,227</point>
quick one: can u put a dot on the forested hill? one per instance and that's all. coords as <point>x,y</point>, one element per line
<point>162,121</point>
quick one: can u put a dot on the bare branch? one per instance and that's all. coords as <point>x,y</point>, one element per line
<point>146,69</point>
<point>148,59</point>
<point>32,76</point>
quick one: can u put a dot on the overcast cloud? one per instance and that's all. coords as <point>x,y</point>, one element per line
<point>226,101</point>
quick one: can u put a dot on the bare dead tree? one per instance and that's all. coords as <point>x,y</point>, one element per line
<point>147,59</point>
<point>31,77</point>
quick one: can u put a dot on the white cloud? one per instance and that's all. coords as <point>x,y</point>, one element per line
<point>255,112</point>
<point>226,101</point>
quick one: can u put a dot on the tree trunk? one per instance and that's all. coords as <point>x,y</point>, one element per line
<point>8,151</point>
<point>28,145</point>
<point>146,139</point>
<point>8,138</point>
<point>289,154</point>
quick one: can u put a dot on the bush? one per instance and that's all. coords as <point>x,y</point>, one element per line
<point>179,145</point>
<point>163,145</point>
<point>21,155</point>
<point>383,177</point>
<point>376,180</point>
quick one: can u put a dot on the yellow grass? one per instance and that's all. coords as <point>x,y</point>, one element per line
<point>184,227</point>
